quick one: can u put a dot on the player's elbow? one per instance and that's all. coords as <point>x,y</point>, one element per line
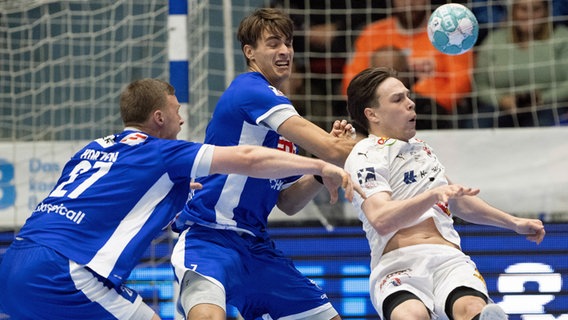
<point>382,226</point>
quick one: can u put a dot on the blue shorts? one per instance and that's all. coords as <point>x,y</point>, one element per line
<point>257,278</point>
<point>36,283</point>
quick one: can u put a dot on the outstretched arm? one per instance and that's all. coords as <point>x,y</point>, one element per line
<point>316,141</point>
<point>297,196</point>
<point>261,162</point>
<point>475,210</point>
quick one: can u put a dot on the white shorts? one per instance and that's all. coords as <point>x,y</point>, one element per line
<point>429,271</point>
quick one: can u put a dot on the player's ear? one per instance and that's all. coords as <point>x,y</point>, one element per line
<point>370,114</point>
<point>248,51</point>
<point>158,116</point>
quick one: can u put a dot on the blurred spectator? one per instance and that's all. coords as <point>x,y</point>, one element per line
<point>324,33</point>
<point>492,14</point>
<point>445,78</point>
<point>522,68</point>
<point>430,115</point>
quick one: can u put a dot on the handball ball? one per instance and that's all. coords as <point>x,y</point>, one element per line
<point>453,29</point>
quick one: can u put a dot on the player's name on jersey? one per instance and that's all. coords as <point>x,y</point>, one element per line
<point>97,155</point>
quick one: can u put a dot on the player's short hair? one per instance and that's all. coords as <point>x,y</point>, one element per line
<point>362,93</point>
<point>270,19</point>
<point>141,97</point>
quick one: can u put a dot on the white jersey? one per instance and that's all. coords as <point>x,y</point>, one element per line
<point>403,169</point>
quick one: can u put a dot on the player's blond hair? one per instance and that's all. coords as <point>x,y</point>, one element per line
<point>141,97</point>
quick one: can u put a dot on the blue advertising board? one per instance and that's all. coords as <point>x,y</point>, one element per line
<point>529,282</point>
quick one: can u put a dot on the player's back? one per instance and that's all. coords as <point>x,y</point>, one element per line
<point>113,196</point>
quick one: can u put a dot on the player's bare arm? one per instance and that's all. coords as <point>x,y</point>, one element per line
<point>261,162</point>
<point>297,196</point>
<point>388,215</point>
<point>315,140</point>
<point>475,210</point>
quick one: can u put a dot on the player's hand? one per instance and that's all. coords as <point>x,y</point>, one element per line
<point>335,177</point>
<point>343,129</point>
<point>533,229</point>
<point>195,186</point>
<point>452,191</point>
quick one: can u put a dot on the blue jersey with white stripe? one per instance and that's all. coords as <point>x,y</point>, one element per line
<point>248,113</point>
<point>114,196</point>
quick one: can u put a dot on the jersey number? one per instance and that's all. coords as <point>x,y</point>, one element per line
<point>82,167</point>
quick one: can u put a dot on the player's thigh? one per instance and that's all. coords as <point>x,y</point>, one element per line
<point>462,273</point>
<point>281,289</point>
<point>42,282</point>
<point>215,254</point>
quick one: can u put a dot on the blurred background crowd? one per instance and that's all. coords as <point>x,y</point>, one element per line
<point>516,75</point>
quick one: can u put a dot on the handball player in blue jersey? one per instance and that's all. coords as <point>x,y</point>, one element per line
<point>225,255</point>
<point>73,254</point>
<point>418,270</point>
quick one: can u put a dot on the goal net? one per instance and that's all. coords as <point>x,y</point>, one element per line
<point>63,64</point>
<point>325,37</point>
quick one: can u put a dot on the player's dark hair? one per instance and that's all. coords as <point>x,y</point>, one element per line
<point>141,97</point>
<point>270,19</point>
<point>362,93</point>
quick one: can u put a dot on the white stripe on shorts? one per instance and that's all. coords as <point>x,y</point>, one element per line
<point>97,292</point>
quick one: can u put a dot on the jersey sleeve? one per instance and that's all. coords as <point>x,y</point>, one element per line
<point>186,160</point>
<point>370,168</point>
<point>270,107</point>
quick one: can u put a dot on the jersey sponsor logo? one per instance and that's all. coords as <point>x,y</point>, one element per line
<point>367,177</point>
<point>427,150</point>
<point>62,210</point>
<point>134,138</point>
<point>444,207</point>
<point>276,91</point>
<point>394,278</point>
<point>276,184</point>
<point>106,141</point>
<point>286,145</point>
<point>409,177</point>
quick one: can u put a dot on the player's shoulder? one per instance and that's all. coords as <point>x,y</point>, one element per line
<point>254,84</point>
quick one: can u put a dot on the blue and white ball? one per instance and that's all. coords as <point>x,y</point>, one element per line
<point>453,29</point>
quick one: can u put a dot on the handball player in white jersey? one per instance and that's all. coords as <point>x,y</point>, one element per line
<point>418,270</point>
<point>225,255</point>
<point>73,254</point>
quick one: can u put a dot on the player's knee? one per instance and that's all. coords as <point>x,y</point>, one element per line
<point>200,298</point>
<point>405,305</point>
<point>465,303</point>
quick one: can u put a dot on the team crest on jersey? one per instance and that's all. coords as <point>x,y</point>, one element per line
<point>134,138</point>
<point>367,177</point>
<point>276,91</point>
